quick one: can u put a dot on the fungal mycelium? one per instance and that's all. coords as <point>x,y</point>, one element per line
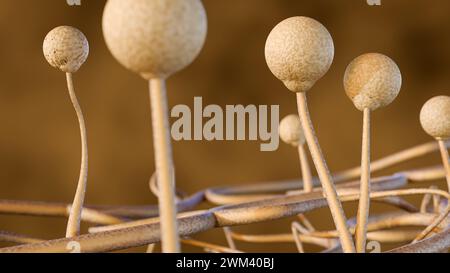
<point>156,39</point>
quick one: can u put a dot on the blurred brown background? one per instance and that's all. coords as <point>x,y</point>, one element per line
<point>39,136</point>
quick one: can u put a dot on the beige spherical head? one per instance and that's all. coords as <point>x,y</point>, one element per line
<point>155,38</point>
<point>291,131</point>
<point>299,51</point>
<point>372,81</point>
<point>435,117</point>
<point>66,48</point>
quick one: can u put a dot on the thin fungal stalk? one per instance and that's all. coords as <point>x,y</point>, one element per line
<point>308,185</point>
<point>433,225</point>
<point>285,238</point>
<point>291,133</point>
<point>150,248</point>
<point>73,225</point>
<point>229,238</point>
<point>325,177</point>
<point>445,161</point>
<point>364,201</point>
<point>426,200</point>
<point>295,233</point>
<point>208,246</point>
<point>392,160</point>
<point>164,163</point>
<point>305,221</point>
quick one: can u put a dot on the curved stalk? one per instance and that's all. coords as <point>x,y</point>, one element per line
<point>73,225</point>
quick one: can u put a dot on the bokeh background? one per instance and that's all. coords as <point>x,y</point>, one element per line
<point>39,135</point>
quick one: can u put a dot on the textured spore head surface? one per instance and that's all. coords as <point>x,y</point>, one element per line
<point>299,51</point>
<point>66,48</point>
<point>372,81</point>
<point>435,117</point>
<point>155,38</point>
